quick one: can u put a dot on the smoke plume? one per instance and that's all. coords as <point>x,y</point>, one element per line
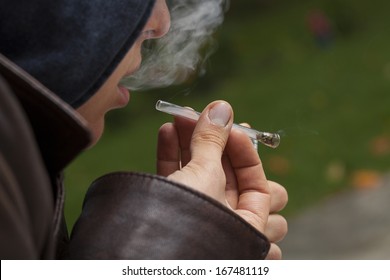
<point>172,58</point>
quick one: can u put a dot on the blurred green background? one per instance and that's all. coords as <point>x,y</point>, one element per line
<point>329,98</point>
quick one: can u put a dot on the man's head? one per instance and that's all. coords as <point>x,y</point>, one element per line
<point>80,49</point>
<point>111,95</point>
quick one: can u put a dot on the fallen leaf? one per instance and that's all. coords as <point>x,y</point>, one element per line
<point>279,165</point>
<point>380,145</point>
<point>365,179</point>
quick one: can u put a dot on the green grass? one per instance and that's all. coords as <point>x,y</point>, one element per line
<point>329,103</point>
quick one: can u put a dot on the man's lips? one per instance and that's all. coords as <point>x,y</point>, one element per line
<point>125,95</point>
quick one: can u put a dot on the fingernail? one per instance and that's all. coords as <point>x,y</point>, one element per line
<point>220,114</point>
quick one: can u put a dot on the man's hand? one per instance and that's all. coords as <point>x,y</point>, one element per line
<point>211,158</point>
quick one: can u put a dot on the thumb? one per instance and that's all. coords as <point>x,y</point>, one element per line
<point>211,132</point>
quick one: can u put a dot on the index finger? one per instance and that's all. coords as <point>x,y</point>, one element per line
<point>185,129</point>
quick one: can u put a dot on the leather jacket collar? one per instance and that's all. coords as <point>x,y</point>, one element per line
<point>59,131</point>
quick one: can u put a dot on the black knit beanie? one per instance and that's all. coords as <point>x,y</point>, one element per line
<point>71,46</point>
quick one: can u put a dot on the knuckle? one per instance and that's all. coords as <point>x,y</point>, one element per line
<point>277,227</point>
<point>275,253</point>
<point>255,220</point>
<point>279,195</point>
<point>210,137</point>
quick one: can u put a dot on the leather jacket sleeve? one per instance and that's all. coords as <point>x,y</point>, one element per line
<point>140,216</point>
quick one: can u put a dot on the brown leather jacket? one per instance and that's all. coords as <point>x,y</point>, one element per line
<point>125,215</point>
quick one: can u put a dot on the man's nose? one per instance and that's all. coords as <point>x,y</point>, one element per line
<point>159,21</point>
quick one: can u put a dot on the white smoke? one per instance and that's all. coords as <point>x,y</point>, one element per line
<point>172,58</point>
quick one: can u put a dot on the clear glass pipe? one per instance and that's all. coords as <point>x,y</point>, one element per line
<point>269,139</point>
